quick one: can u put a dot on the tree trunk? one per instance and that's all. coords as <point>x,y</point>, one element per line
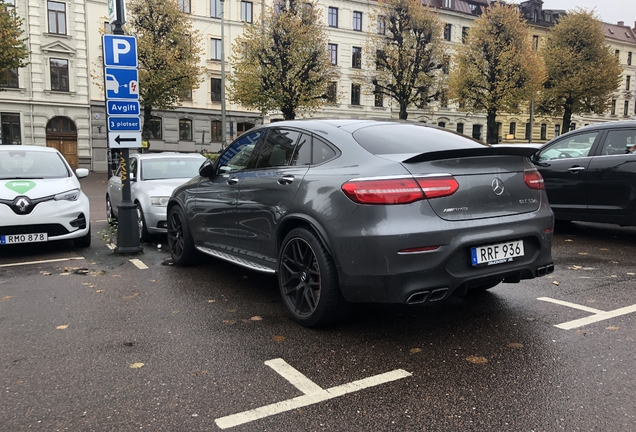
<point>567,116</point>
<point>289,113</point>
<point>492,134</point>
<point>403,112</point>
<point>145,130</point>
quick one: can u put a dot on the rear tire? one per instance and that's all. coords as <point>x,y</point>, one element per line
<point>85,241</point>
<point>180,243</point>
<point>308,281</point>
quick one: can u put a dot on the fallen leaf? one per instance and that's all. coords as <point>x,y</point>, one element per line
<point>555,283</point>
<point>582,332</point>
<point>415,350</point>
<point>100,291</point>
<point>231,310</point>
<point>117,275</point>
<point>256,318</point>
<point>614,276</point>
<point>131,296</point>
<point>86,283</point>
<point>211,301</point>
<point>591,301</point>
<point>6,298</point>
<point>153,280</point>
<point>136,365</point>
<point>176,311</point>
<point>476,359</point>
<point>45,273</point>
<point>197,373</point>
<point>229,321</point>
<point>278,338</point>
<point>64,274</point>
<point>604,249</point>
<point>569,240</point>
<point>62,327</point>
<point>582,253</point>
<point>18,382</point>
<point>575,267</point>
<point>81,271</point>
<point>613,328</point>
<point>515,345</point>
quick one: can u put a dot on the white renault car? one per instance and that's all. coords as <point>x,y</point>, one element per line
<point>40,197</point>
<point>153,177</point>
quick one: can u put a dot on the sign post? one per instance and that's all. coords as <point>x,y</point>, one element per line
<point>121,88</point>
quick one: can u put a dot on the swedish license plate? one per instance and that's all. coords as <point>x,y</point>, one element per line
<point>24,238</point>
<point>496,253</point>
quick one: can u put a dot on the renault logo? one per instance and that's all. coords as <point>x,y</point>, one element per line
<point>22,204</point>
<point>497,186</point>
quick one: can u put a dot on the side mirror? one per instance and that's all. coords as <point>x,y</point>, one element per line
<point>81,172</point>
<point>207,169</point>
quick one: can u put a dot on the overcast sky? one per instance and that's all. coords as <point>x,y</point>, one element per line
<point>610,11</point>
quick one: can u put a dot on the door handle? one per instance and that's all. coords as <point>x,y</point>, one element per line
<point>576,169</point>
<point>285,180</point>
<point>232,181</point>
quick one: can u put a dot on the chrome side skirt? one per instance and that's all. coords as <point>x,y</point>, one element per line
<point>236,260</point>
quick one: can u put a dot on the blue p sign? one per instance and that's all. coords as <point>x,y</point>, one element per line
<point>120,51</point>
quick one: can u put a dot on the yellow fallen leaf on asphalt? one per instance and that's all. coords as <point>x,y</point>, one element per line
<point>575,267</point>
<point>515,345</point>
<point>613,328</point>
<point>229,321</point>
<point>45,273</point>
<point>136,365</point>
<point>62,327</point>
<point>569,240</point>
<point>175,311</point>
<point>64,274</point>
<point>6,298</point>
<point>100,291</point>
<point>631,274</point>
<point>256,318</point>
<point>278,338</point>
<point>211,301</point>
<point>476,359</point>
<point>555,283</point>
<point>415,350</point>
<point>131,296</point>
<point>582,253</point>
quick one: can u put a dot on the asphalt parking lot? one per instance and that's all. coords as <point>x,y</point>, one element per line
<point>97,341</point>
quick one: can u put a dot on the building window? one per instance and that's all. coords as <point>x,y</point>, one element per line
<point>332,92</point>
<point>10,79</point>
<point>617,53</point>
<point>246,12</point>
<point>216,8</point>
<point>333,53</point>
<point>355,94</point>
<point>184,6</point>
<point>156,130</point>
<point>535,42</point>
<point>215,49</point>
<point>448,4</point>
<point>460,128</point>
<point>557,130</point>
<point>447,32</point>
<point>513,129</point>
<point>59,74</point>
<point>185,129</point>
<point>544,131</point>
<point>528,134</point>
<point>476,132</point>
<point>333,17</point>
<point>216,131</point>
<point>357,21</point>
<point>216,89</point>
<point>613,112</point>
<point>474,9</point>
<point>11,132</point>
<point>629,58</point>
<point>356,57</point>
<point>443,100</point>
<point>378,97</point>
<point>57,17</point>
<point>445,64</point>
<point>626,109</point>
<point>627,82</point>
<point>381,25</point>
<point>441,124</point>
<point>535,16</point>
<point>464,34</point>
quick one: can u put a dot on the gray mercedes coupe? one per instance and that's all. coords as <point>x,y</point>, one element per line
<point>348,211</point>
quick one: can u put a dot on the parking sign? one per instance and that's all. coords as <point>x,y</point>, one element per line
<point>120,51</point>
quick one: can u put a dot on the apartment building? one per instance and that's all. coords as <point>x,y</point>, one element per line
<point>57,100</point>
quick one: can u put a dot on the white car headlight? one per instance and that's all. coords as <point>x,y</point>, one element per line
<point>71,195</point>
<point>160,201</point>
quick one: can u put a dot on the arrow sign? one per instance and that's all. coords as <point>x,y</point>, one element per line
<point>124,139</point>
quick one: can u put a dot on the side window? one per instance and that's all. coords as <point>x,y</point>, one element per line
<point>303,151</point>
<point>133,168</point>
<point>238,154</point>
<point>322,152</point>
<point>620,142</point>
<point>278,148</point>
<point>570,147</point>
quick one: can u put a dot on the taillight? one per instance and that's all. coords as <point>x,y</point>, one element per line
<point>398,191</point>
<point>533,179</point>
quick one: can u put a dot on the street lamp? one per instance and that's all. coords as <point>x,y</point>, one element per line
<point>223,120</point>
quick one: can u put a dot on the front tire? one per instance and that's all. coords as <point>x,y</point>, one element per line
<point>180,243</point>
<point>308,281</point>
<point>144,235</point>
<point>110,215</point>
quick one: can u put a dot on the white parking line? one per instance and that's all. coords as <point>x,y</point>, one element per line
<point>599,315</point>
<point>41,262</point>
<point>312,393</point>
<point>139,264</point>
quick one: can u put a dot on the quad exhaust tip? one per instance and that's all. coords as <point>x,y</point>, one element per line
<point>545,270</point>
<point>424,296</point>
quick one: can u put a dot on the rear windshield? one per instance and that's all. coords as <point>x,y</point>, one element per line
<point>410,138</point>
<point>23,164</point>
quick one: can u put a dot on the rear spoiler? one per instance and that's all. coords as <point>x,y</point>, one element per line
<point>473,152</point>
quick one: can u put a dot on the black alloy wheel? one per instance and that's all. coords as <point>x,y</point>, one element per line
<point>308,281</point>
<point>180,243</point>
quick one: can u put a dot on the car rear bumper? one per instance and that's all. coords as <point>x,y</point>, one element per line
<point>370,269</point>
